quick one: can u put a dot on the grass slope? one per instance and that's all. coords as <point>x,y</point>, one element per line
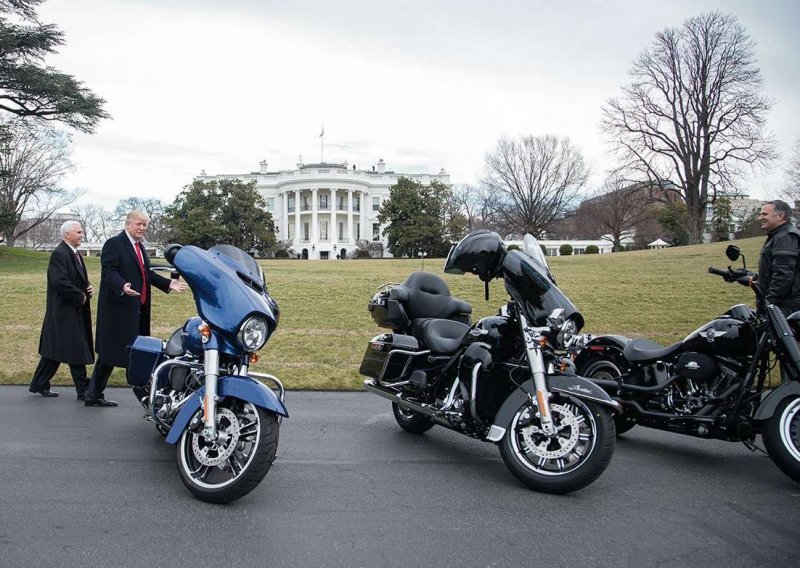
<point>324,326</point>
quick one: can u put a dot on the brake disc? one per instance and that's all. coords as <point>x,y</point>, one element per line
<point>541,445</point>
<point>216,453</point>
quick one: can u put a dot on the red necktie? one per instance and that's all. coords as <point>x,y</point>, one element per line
<point>138,247</point>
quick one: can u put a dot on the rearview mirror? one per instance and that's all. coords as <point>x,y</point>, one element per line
<point>733,253</point>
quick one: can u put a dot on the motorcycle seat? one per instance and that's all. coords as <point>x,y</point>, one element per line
<point>441,336</point>
<point>174,346</point>
<point>640,350</point>
<point>426,295</point>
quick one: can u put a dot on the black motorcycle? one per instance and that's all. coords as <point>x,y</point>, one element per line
<point>500,380</point>
<point>711,384</point>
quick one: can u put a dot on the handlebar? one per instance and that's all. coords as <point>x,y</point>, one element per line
<point>741,276</point>
<point>719,272</point>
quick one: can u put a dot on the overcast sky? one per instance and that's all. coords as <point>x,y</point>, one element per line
<point>220,85</point>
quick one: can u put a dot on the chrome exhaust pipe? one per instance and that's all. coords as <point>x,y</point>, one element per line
<point>446,418</point>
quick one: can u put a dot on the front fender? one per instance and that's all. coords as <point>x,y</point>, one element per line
<point>571,385</point>
<point>243,388</point>
<point>767,407</point>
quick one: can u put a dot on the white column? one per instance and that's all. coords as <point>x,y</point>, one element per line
<point>297,235</point>
<point>334,227</point>
<point>364,234</point>
<point>285,220</point>
<point>349,233</point>
<point>314,218</point>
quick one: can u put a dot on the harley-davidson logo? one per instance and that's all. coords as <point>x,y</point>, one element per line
<point>710,334</point>
<point>578,388</point>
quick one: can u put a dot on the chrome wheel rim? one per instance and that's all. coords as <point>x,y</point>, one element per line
<point>217,465</point>
<point>789,427</point>
<point>558,455</point>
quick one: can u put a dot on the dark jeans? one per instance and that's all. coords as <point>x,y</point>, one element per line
<point>48,367</point>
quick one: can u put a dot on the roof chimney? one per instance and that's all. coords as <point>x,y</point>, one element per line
<point>262,166</point>
<point>381,166</point>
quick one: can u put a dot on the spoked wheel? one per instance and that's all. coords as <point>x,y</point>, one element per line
<point>231,467</point>
<point>411,421</point>
<point>568,461</point>
<point>607,369</point>
<point>782,437</point>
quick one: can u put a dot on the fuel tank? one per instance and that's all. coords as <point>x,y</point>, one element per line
<point>726,336</point>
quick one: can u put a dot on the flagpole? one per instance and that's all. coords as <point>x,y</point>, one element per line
<point>322,145</point>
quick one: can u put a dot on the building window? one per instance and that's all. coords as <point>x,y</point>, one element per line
<point>270,205</point>
<point>323,230</point>
<point>341,202</point>
<point>306,236</point>
<point>376,231</point>
<point>290,236</point>
<point>356,204</point>
<point>341,231</point>
<point>306,203</point>
<point>358,232</point>
<point>323,202</point>
<point>290,203</point>
<point>376,203</point>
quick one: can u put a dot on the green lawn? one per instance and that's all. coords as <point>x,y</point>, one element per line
<point>324,327</point>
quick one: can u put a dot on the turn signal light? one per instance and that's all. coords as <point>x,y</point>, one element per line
<point>542,341</point>
<point>253,358</point>
<point>204,329</point>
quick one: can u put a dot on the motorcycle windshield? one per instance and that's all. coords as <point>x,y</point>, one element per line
<point>533,288</point>
<point>228,286</point>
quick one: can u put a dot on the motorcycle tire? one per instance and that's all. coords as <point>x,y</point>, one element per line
<point>782,437</point>
<point>568,462</point>
<point>411,421</point>
<point>607,368</point>
<point>224,473</point>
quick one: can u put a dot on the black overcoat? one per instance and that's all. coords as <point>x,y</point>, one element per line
<point>67,329</point>
<point>120,318</point>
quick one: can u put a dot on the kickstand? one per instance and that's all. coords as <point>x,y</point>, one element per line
<point>753,447</point>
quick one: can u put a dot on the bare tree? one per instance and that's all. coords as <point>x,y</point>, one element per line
<point>792,189</point>
<point>98,223</point>
<point>533,179</point>
<point>34,158</point>
<point>693,112</point>
<point>156,231</point>
<point>467,199</point>
<point>618,207</point>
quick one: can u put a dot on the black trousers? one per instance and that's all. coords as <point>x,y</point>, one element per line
<point>99,380</point>
<point>48,367</point>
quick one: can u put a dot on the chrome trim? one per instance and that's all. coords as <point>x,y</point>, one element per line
<point>495,434</point>
<point>211,366</point>
<point>473,406</point>
<point>157,370</point>
<point>274,380</point>
<point>445,417</point>
<point>451,397</point>
<point>405,367</point>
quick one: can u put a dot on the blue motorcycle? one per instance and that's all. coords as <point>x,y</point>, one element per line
<point>197,387</point>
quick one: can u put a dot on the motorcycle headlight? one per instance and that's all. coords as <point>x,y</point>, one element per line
<point>567,333</point>
<point>253,333</point>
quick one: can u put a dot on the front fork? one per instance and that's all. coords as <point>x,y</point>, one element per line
<point>536,363</point>
<point>211,366</point>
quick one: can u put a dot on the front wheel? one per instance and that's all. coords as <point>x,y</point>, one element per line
<point>411,421</point>
<point>572,459</point>
<point>230,467</point>
<point>782,437</point>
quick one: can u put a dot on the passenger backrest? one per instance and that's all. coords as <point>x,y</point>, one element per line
<point>429,297</point>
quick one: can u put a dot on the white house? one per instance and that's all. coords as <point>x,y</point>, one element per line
<point>323,209</point>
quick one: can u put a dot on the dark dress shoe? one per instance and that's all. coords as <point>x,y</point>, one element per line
<point>81,396</point>
<point>43,392</point>
<point>99,402</point>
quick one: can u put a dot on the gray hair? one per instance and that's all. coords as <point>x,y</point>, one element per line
<point>67,226</point>
<point>782,207</point>
<point>136,214</point>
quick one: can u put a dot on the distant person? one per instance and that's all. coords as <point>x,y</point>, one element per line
<point>778,264</point>
<point>67,329</point>
<point>123,305</point>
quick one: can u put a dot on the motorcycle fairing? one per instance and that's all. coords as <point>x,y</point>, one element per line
<point>572,385</point>
<point>243,388</point>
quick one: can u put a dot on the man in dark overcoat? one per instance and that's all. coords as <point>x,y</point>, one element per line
<point>67,329</point>
<point>123,304</point>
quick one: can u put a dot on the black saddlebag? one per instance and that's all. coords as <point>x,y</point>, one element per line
<point>388,356</point>
<point>145,354</point>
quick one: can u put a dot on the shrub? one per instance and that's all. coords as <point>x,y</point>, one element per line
<point>513,247</point>
<point>281,253</point>
<point>565,250</point>
<point>592,249</point>
<point>361,253</point>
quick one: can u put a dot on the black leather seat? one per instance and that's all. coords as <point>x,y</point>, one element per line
<point>640,350</point>
<point>425,295</point>
<point>441,336</point>
<point>175,344</point>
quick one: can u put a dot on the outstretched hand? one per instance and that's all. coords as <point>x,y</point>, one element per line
<point>177,286</point>
<point>129,291</point>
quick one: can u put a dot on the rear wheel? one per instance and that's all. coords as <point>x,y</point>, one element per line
<point>411,421</point>
<point>607,369</point>
<point>572,459</point>
<point>782,437</point>
<point>230,467</point>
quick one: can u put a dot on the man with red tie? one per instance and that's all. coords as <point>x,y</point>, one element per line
<point>67,329</point>
<point>123,305</point>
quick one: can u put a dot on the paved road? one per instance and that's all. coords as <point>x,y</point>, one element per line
<point>98,487</point>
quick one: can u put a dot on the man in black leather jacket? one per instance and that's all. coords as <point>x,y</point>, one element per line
<point>778,266</point>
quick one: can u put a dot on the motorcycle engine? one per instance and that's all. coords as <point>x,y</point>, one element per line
<point>697,378</point>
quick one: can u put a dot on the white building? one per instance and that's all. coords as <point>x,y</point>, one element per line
<point>323,209</point>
